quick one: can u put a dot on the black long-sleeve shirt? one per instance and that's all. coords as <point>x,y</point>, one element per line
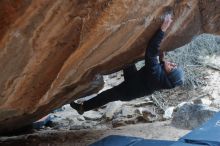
<point>152,76</point>
<point>153,68</point>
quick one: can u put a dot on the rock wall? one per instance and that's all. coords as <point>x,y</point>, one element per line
<point>52,51</point>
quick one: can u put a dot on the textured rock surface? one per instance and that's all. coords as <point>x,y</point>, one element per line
<point>51,52</point>
<point>111,108</point>
<point>190,116</point>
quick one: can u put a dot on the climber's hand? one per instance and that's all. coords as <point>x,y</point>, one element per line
<point>166,23</point>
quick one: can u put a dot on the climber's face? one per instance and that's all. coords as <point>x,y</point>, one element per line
<point>169,66</point>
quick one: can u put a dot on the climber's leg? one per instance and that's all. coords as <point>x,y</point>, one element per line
<point>129,72</point>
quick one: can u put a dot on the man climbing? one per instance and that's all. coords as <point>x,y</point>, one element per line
<point>153,76</point>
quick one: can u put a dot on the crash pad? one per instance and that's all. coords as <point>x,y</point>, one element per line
<point>207,134</point>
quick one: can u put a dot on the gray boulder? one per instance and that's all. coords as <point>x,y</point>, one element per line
<point>190,116</point>
<point>168,113</point>
<point>122,121</point>
<point>127,111</point>
<point>149,115</point>
<point>216,103</point>
<point>92,115</point>
<point>112,108</point>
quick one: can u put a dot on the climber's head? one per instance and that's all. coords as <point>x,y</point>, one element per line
<point>175,74</point>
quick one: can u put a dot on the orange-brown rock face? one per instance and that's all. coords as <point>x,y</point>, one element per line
<point>52,51</point>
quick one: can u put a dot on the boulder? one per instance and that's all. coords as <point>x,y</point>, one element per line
<point>92,115</point>
<point>140,102</point>
<point>121,121</point>
<point>112,108</point>
<point>149,115</point>
<point>216,103</point>
<point>190,116</point>
<point>127,111</point>
<point>168,113</point>
<point>80,118</point>
<point>64,117</point>
<point>205,101</point>
<point>53,52</point>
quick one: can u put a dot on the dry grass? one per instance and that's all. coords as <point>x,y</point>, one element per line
<point>193,57</point>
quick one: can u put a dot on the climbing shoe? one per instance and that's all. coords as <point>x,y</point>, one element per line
<point>77,107</point>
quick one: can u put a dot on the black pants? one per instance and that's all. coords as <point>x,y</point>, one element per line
<point>125,91</point>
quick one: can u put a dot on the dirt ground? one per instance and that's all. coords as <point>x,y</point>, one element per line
<point>158,130</point>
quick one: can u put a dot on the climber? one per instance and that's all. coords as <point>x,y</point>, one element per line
<point>153,76</point>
